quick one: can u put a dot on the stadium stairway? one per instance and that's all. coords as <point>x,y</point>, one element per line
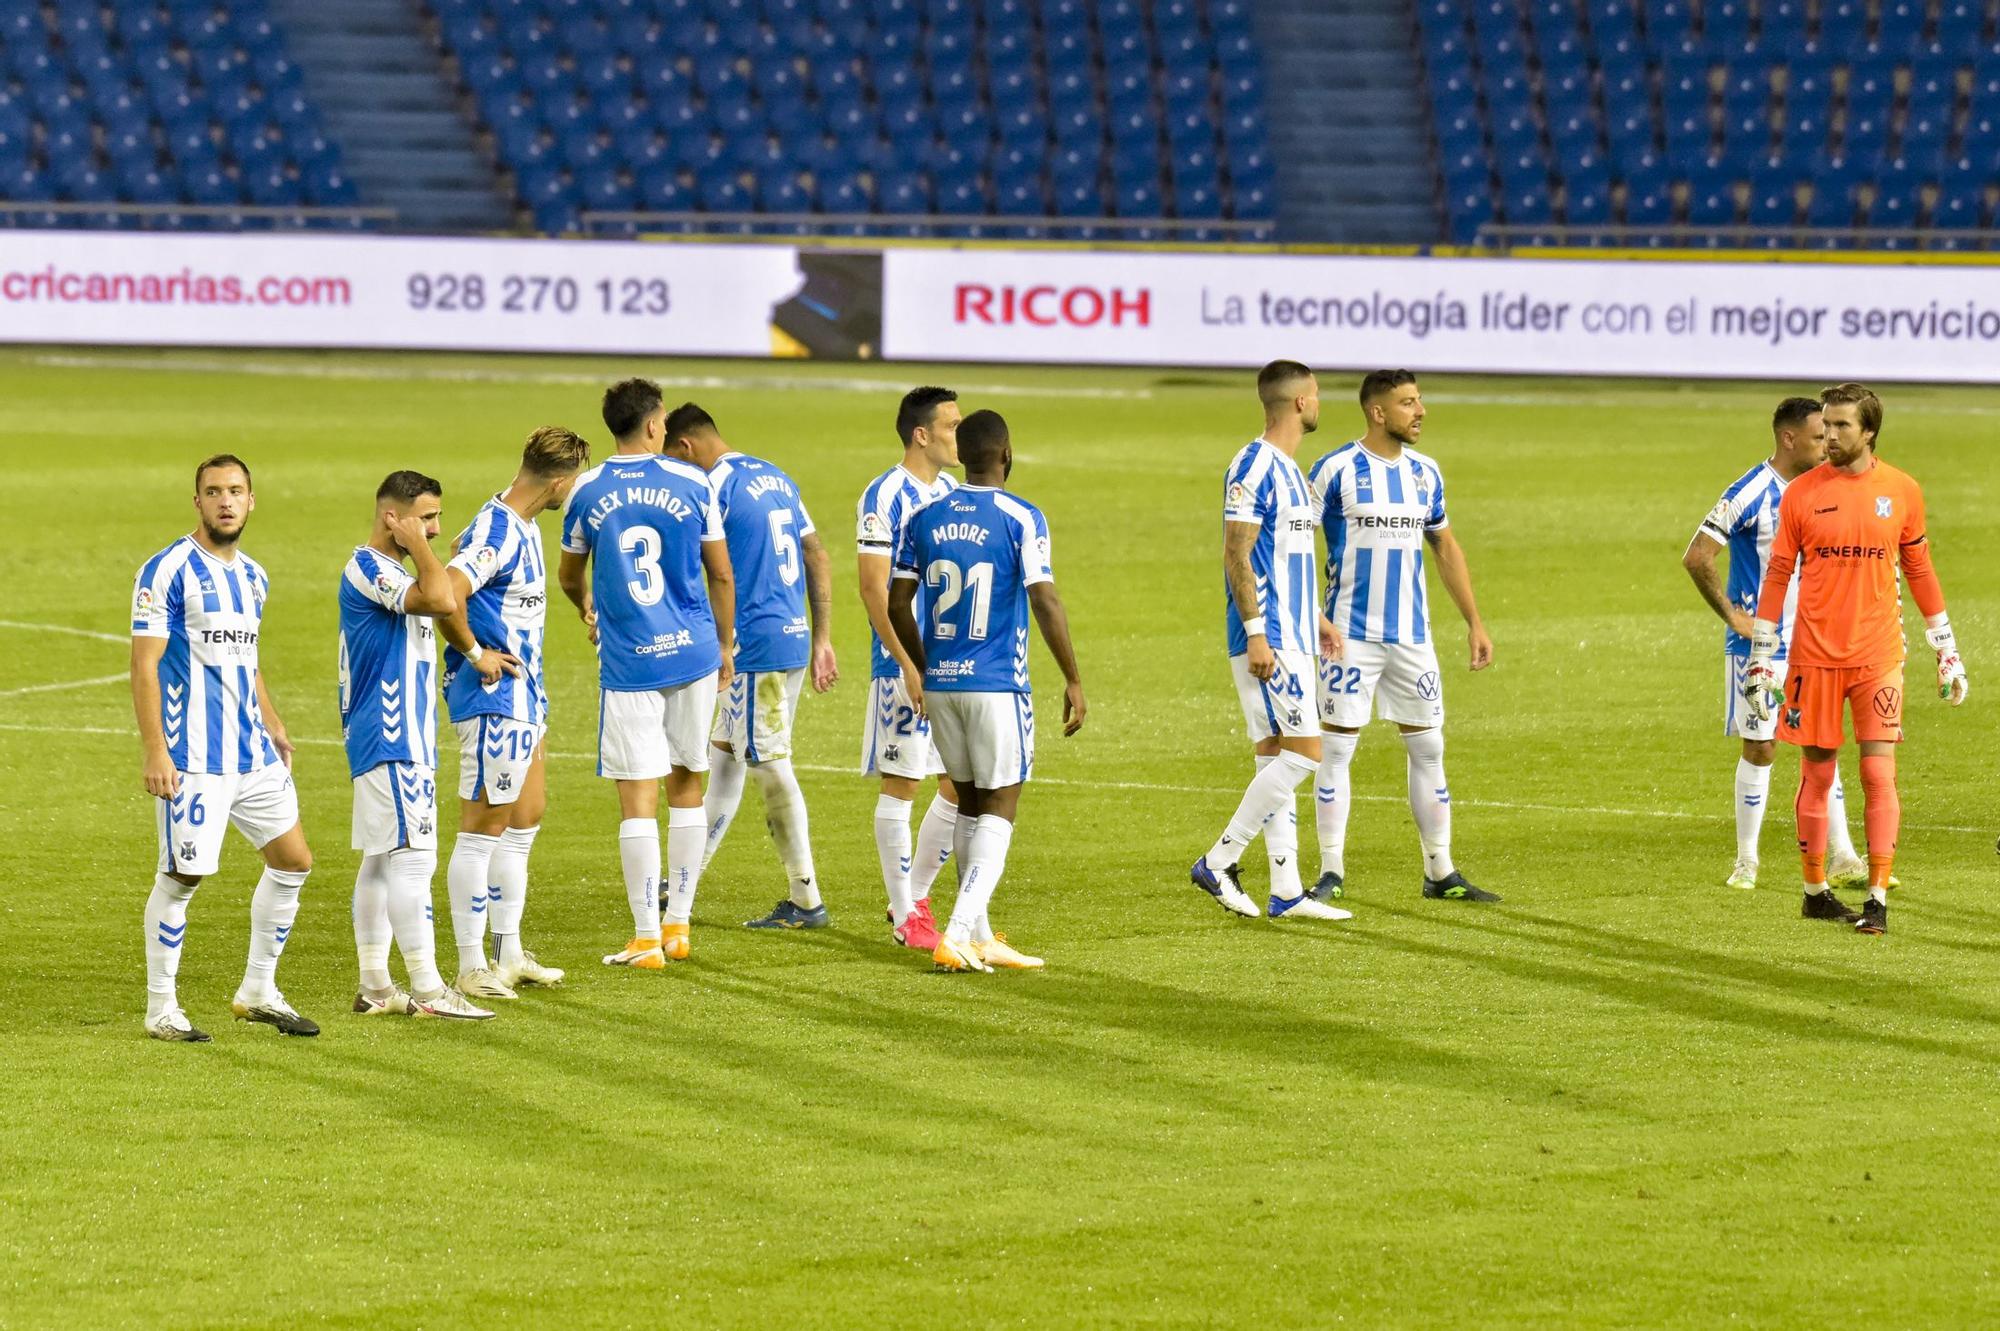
<point>375,73</point>
<point>1343,95</point>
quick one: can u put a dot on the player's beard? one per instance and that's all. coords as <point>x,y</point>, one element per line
<point>1403,437</point>
<point>216,536</point>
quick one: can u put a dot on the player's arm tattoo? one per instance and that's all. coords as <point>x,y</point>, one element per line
<point>819,587</point>
<point>721,593</point>
<point>1237,539</point>
<point>455,628</point>
<point>433,593</point>
<point>1699,561</point>
<point>903,619</point>
<point>1455,574</point>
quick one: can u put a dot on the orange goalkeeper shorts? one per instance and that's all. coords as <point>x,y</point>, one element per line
<point>1815,695</point>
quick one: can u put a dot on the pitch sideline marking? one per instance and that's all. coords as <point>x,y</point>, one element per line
<point>61,628</point>
<point>67,684</point>
<point>1511,806</point>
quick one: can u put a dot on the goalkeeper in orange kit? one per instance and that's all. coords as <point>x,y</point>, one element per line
<point>1848,524</point>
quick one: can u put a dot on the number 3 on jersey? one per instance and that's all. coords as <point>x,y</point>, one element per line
<point>956,582</point>
<point>643,545</point>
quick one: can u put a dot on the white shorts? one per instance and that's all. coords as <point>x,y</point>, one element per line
<point>1736,718</point>
<point>1399,679</point>
<point>895,741</point>
<point>262,805</point>
<point>984,739</point>
<point>1284,705</point>
<point>755,716</point>
<point>395,805</point>
<point>643,736</point>
<point>494,755</point>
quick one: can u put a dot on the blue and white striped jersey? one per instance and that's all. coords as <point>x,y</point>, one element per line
<point>1264,487</point>
<point>978,550</point>
<point>764,520</point>
<point>388,667</point>
<point>642,519</point>
<point>500,553</point>
<point>210,613</point>
<point>1376,514</point>
<point>1745,519</point>
<point>881,518</point>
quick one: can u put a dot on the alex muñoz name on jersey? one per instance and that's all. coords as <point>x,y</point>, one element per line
<point>642,519</point>
<point>210,612</point>
<point>977,550</point>
<point>1265,488</point>
<point>881,518</point>
<point>500,553</point>
<point>1377,514</point>
<point>388,663</point>
<point>764,520</point>
<point>1745,520</point>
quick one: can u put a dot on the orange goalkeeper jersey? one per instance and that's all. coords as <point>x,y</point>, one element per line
<point>1847,535</point>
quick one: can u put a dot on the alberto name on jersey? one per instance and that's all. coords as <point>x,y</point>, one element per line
<point>643,519</point>
<point>500,553</point>
<point>977,550</point>
<point>764,520</point>
<point>1266,488</point>
<point>388,665</point>
<point>1377,514</point>
<point>210,613</point>
<point>881,518</point>
<point>1745,519</point>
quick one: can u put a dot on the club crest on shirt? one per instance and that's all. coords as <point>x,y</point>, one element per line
<point>1883,505</point>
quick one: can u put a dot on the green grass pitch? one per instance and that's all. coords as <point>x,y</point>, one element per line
<point>1628,1096</point>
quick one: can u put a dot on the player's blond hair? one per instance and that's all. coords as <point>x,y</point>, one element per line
<point>1867,406</point>
<point>553,451</point>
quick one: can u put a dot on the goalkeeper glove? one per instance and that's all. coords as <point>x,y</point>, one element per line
<point>1763,690</point>
<point>1952,685</point>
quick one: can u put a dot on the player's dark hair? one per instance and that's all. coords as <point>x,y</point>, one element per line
<point>406,487</point>
<point>222,460</point>
<point>1867,406</point>
<point>687,419</point>
<point>627,404</point>
<point>919,409</point>
<point>1274,378</point>
<point>1377,382</point>
<point>553,451</point>
<point>982,440</point>
<point>1792,413</point>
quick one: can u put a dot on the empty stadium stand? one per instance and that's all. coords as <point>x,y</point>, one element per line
<point>952,116</point>
<point>182,113</point>
<point>1761,122</point>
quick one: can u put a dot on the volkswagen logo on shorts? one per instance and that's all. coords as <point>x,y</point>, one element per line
<point>1427,686</point>
<point>1888,703</point>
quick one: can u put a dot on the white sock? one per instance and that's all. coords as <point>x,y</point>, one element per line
<point>725,793</point>
<point>409,874</point>
<point>371,923</point>
<point>465,885</point>
<point>961,844</point>
<point>1281,845</point>
<point>639,854</point>
<point>1269,791</point>
<point>934,845</point>
<point>166,928</point>
<point>785,815</point>
<point>1839,841</point>
<point>990,839</point>
<point>1333,797</point>
<point>1753,789</point>
<point>273,907</point>
<point>1430,800</point>
<point>686,831</point>
<point>507,896</point>
<point>892,847</point>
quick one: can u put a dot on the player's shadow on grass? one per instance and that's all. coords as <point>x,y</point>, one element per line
<point>1679,995</point>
